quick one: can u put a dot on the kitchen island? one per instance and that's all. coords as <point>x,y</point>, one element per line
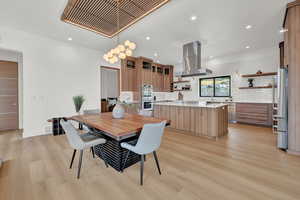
<point>195,118</point>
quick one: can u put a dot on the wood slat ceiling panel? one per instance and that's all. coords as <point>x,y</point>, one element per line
<point>100,16</point>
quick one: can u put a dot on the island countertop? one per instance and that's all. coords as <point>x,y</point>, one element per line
<point>191,104</point>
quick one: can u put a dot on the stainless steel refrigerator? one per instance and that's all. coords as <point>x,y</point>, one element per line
<point>282,112</point>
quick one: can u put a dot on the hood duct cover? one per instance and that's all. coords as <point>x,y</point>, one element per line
<point>192,60</point>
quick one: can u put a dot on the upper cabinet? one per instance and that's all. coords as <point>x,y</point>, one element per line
<point>136,72</point>
<point>129,74</point>
<point>168,78</point>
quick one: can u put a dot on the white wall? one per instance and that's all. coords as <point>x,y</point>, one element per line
<point>53,72</point>
<point>266,60</point>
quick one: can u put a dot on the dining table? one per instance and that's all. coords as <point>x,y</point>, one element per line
<point>116,131</point>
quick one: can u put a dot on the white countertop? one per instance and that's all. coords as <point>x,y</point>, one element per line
<point>189,104</point>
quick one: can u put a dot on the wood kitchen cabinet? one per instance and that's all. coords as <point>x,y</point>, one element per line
<point>160,78</point>
<point>154,81</point>
<point>254,113</point>
<point>168,79</point>
<point>137,71</point>
<point>292,61</point>
<point>129,74</point>
<point>144,67</point>
<point>197,121</point>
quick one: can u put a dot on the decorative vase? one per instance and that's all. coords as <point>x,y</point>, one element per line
<point>118,111</point>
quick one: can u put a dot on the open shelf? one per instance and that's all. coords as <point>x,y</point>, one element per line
<point>175,82</point>
<point>258,75</point>
<point>178,90</point>
<point>257,87</point>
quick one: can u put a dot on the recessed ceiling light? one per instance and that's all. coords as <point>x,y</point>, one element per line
<point>283,30</point>
<point>155,54</point>
<point>248,27</point>
<point>148,38</point>
<point>70,39</point>
<point>193,18</point>
<point>211,57</point>
<point>247,47</point>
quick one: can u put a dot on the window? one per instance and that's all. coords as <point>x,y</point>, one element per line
<point>215,86</point>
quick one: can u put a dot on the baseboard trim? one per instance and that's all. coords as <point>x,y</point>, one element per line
<point>297,153</point>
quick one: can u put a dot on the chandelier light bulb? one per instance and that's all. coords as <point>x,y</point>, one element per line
<point>132,46</point>
<point>128,52</point>
<point>109,55</point>
<point>122,56</point>
<point>105,57</point>
<point>115,59</point>
<point>121,48</point>
<point>116,50</point>
<point>127,43</point>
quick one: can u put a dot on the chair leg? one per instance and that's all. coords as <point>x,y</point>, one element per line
<point>93,151</point>
<point>142,169</point>
<point>73,156</point>
<point>103,157</point>
<point>157,163</point>
<point>80,163</point>
<point>127,155</point>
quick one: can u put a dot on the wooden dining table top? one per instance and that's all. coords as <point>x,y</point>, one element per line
<point>118,129</point>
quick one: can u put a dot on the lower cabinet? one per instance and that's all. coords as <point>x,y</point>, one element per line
<point>209,122</point>
<point>254,113</point>
<point>132,108</point>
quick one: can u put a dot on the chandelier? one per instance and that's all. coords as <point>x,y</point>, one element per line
<point>122,50</point>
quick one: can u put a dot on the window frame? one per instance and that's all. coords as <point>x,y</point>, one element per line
<point>214,85</point>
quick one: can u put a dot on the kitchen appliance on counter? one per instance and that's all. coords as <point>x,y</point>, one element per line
<point>282,109</point>
<point>147,97</point>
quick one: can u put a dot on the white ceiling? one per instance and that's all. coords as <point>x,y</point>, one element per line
<point>220,25</point>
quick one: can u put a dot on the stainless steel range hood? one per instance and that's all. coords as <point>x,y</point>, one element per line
<point>192,60</point>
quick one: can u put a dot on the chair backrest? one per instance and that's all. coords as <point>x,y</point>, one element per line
<point>150,137</point>
<point>72,134</point>
<point>94,111</point>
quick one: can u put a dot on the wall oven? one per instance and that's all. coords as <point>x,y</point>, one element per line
<point>147,97</point>
<point>147,105</point>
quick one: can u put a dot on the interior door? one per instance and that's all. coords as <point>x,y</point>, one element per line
<point>9,107</point>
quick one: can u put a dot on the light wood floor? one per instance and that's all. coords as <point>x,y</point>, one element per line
<point>245,165</point>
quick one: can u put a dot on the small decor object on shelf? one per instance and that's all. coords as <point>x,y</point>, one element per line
<point>259,72</point>
<point>78,101</point>
<point>250,82</point>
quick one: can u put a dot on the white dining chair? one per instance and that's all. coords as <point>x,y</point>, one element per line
<point>149,141</point>
<point>85,127</point>
<point>81,142</point>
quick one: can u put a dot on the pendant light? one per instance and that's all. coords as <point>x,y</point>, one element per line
<point>122,50</point>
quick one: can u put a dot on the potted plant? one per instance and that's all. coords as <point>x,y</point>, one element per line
<point>78,101</point>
